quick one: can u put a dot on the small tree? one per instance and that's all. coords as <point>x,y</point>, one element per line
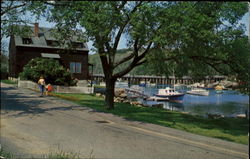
<point>50,69</point>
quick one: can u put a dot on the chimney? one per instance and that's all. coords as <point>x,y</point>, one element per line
<point>36,29</point>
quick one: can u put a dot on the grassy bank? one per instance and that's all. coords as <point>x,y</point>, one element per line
<point>231,129</point>
<point>8,82</point>
<point>59,154</point>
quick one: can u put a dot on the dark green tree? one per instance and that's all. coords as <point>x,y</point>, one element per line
<point>50,69</point>
<point>14,13</point>
<point>206,39</point>
<point>184,31</point>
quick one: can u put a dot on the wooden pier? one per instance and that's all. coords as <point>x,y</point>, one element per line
<point>130,79</point>
<point>137,93</point>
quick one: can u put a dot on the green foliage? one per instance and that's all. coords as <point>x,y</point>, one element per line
<point>14,13</point>
<point>59,154</point>
<point>203,39</point>
<point>8,82</point>
<point>5,154</point>
<point>4,63</point>
<point>50,69</point>
<point>194,38</point>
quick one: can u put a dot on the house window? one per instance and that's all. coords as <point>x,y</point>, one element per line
<point>27,41</point>
<point>75,67</point>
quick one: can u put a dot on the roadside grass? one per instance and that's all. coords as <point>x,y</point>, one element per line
<point>5,155</point>
<point>8,82</point>
<point>62,155</point>
<point>52,155</point>
<point>230,129</point>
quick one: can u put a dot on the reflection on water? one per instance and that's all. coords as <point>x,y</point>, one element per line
<point>229,103</point>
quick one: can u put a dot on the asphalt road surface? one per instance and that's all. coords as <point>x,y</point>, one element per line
<point>34,126</point>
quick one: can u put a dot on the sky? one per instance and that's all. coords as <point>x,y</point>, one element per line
<point>122,44</point>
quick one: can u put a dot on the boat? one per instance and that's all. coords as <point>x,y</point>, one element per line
<point>198,91</point>
<point>143,84</point>
<point>219,89</point>
<point>170,94</point>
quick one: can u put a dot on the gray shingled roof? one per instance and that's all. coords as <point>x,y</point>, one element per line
<point>40,41</point>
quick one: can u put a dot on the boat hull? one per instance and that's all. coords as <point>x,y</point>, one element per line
<point>219,91</point>
<point>199,93</point>
<point>175,97</point>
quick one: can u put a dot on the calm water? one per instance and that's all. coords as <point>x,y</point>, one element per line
<point>229,103</point>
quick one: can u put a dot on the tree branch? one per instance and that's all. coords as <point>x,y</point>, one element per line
<point>146,51</point>
<point>125,59</point>
<point>142,62</point>
<point>9,8</point>
<point>134,63</point>
<point>118,36</point>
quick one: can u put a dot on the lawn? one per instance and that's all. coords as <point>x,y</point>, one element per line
<point>230,129</point>
<point>8,82</point>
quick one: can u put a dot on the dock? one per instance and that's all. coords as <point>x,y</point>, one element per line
<point>137,93</point>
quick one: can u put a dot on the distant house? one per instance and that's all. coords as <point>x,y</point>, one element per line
<point>41,43</point>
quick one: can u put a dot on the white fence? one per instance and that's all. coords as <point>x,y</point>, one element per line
<point>57,89</point>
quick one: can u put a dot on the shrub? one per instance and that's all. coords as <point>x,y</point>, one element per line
<point>50,69</point>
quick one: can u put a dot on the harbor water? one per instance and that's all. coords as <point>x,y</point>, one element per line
<point>230,103</point>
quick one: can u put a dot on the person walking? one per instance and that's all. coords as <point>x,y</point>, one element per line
<point>49,88</point>
<point>41,84</point>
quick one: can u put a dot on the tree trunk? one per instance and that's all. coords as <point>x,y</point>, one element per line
<point>109,98</point>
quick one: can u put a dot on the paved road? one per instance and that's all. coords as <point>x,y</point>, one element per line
<point>32,126</point>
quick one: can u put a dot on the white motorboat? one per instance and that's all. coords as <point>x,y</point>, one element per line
<point>198,91</point>
<point>170,94</point>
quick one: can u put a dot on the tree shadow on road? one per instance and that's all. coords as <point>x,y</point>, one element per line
<point>17,105</point>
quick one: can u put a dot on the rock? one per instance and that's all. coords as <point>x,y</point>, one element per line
<point>241,116</point>
<point>126,101</point>
<point>119,91</point>
<point>229,84</point>
<point>98,94</point>
<point>116,99</point>
<point>212,85</point>
<point>123,95</point>
<point>215,116</point>
<point>135,103</point>
<point>157,105</point>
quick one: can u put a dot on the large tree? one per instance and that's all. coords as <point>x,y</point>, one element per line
<point>183,31</point>
<point>14,13</point>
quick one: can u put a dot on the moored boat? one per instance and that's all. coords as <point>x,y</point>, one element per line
<point>219,89</point>
<point>198,91</point>
<point>171,94</point>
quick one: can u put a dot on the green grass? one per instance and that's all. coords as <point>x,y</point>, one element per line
<point>98,86</point>
<point>6,155</point>
<point>8,82</point>
<point>59,154</point>
<point>230,129</point>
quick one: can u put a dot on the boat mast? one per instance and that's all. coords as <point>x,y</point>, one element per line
<point>174,79</point>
